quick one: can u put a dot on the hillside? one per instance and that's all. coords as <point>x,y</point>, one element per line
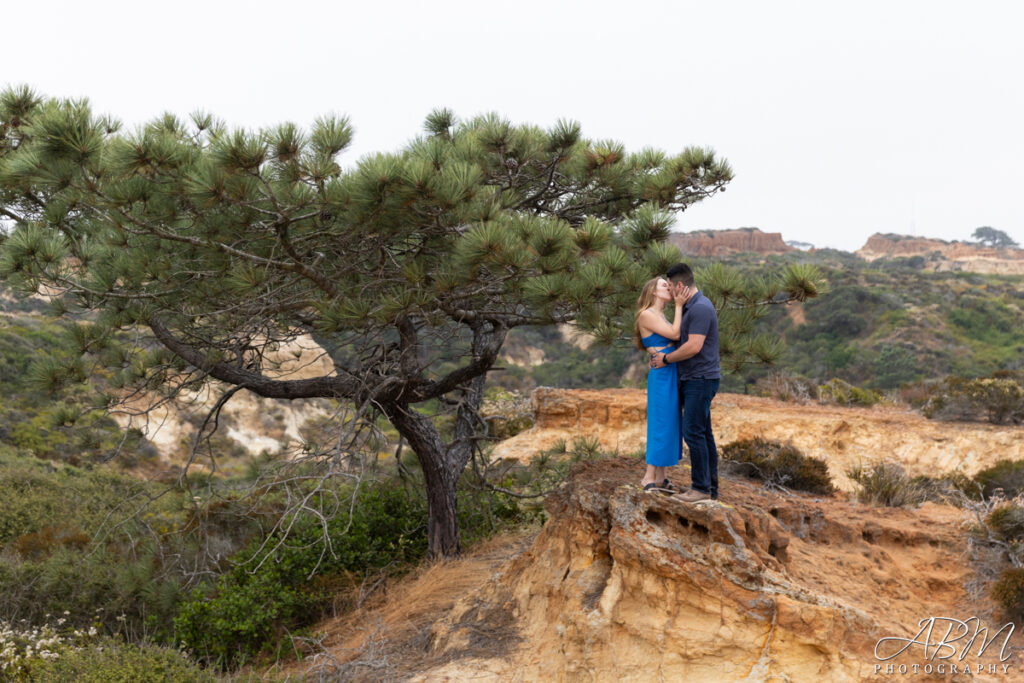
<point>620,585</point>
<point>884,324</point>
<point>617,585</point>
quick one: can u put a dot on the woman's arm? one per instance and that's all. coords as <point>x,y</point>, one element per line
<point>651,321</point>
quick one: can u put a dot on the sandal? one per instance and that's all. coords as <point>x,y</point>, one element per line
<point>665,488</point>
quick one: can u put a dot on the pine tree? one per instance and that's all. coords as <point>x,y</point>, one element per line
<point>410,267</point>
<point>990,237</point>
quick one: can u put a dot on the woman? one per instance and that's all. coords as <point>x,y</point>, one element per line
<point>652,332</point>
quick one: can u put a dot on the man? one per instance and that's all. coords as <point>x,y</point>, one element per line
<point>700,374</point>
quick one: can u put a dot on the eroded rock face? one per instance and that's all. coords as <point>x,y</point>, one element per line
<point>256,424</point>
<point>946,256</point>
<point>622,585</point>
<point>721,242</point>
<point>842,436</point>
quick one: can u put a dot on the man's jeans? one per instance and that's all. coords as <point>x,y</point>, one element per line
<point>696,395</point>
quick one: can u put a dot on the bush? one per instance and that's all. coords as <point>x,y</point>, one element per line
<point>778,464</point>
<point>886,483</point>
<point>60,551</point>
<point>998,399</point>
<point>786,387</point>
<point>844,393</point>
<point>1008,522</point>
<point>506,414</point>
<point>952,488</point>
<point>111,661</point>
<point>1008,592</point>
<point>1007,475</point>
<point>277,588</point>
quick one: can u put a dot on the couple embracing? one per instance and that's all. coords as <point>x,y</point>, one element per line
<point>684,376</point>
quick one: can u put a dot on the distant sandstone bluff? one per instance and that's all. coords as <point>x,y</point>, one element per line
<point>945,256</point>
<point>938,255</point>
<point>708,243</point>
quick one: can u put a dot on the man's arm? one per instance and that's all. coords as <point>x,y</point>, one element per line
<point>694,343</point>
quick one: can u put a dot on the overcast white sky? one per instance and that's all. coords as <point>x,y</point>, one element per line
<point>840,119</point>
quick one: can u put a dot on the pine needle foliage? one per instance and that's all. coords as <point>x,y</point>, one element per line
<point>410,266</point>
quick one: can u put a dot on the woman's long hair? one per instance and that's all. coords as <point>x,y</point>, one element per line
<point>645,301</point>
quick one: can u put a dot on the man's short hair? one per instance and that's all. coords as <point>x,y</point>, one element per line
<point>680,272</point>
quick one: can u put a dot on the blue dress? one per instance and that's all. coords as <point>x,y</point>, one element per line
<point>664,431</point>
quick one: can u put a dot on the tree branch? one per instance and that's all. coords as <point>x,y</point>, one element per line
<point>316,387</point>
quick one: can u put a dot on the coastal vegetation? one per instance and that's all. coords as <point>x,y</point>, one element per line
<point>184,253</point>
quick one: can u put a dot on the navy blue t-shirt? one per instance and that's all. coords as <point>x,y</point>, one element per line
<point>699,317</point>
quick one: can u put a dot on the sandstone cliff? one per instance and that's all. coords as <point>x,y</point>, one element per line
<point>706,243</point>
<point>626,586</point>
<point>253,423</point>
<point>842,436</point>
<point>945,256</point>
<point>622,585</point>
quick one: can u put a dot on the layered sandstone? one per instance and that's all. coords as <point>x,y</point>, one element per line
<point>709,243</point>
<point>254,423</point>
<point>622,585</point>
<point>842,436</point>
<point>945,256</point>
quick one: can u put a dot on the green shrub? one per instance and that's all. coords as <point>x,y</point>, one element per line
<point>1007,475</point>
<point>64,549</point>
<point>844,393</point>
<point>1008,522</point>
<point>506,413</point>
<point>278,587</point>
<point>998,399</point>
<point>501,427</point>
<point>886,483</point>
<point>111,661</point>
<point>1008,592</point>
<point>778,464</point>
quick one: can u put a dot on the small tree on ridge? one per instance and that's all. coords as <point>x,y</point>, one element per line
<point>410,268</point>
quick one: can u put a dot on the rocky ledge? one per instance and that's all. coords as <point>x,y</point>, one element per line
<point>622,585</point>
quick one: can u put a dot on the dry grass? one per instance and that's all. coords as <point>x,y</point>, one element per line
<point>387,637</point>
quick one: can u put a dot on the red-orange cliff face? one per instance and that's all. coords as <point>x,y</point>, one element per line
<point>721,242</point>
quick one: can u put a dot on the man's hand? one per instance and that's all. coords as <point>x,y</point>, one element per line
<point>658,360</point>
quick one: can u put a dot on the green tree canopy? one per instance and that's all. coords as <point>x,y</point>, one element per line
<point>409,267</point>
<point>992,238</point>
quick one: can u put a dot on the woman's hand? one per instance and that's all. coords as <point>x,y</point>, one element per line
<point>684,294</point>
